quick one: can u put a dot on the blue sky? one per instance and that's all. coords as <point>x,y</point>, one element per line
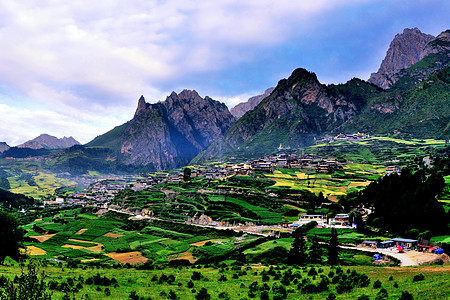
<point>69,68</point>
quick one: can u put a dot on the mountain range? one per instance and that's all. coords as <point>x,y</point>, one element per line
<point>46,141</point>
<point>408,96</point>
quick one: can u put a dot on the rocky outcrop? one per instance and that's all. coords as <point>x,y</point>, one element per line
<point>3,147</point>
<point>438,46</point>
<point>405,50</point>
<point>45,141</point>
<point>170,133</point>
<point>240,109</point>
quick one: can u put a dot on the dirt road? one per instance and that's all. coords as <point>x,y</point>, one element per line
<point>408,258</point>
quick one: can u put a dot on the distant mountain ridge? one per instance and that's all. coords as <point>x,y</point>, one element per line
<point>170,133</point>
<point>186,128</point>
<point>240,109</point>
<point>46,141</point>
<point>4,147</point>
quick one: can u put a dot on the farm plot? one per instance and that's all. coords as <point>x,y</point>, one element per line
<point>79,244</point>
<point>128,257</point>
<point>263,213</point>
<point>42,238</point>
<point>35,251</point>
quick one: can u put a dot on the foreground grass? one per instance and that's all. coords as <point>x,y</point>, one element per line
<point>237,281</point>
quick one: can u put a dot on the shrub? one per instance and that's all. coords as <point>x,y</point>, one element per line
<point>382,295</point>
<point>406,296</point>
<point>418,277</point>
<point>312,272</point>
<point>377,284</point>
<point>223,278</point>
<point>172,295</point>
<point>331,296</point>
<point>224,295</point>
<point>265,295</point>
<point>203,295</point>
<point>196,275</point>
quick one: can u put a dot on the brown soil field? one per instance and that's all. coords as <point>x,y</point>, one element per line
<point>33,250</point>
<point>129,257</point>
<point>42,238</point>
<point>333,198</point>
<point>201,243</point>
<point>81,231</point>
<point>364,183</point>
<point>113,235</point>
<point>97,248</point>
<point>422,258</point>
<point>184,255</point>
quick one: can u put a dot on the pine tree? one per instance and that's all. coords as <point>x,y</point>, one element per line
<point>333,248</point>
<point>315,251</point>
<point>297,254</point>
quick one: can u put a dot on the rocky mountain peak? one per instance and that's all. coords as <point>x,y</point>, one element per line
<point>405,50</point>
<point>168,133</point>
<point>240,109</point>
<point>141,105</point>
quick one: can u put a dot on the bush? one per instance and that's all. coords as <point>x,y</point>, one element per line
<point>224,295</point>
<point>196,275</point>
<point>190,284</point>
<point>377,284</point>
<point>203,295</point>
<point>406,296</point>
<point>223,278</point>
<point>382,295</point>
<point>331,296</point>
<point>418,277</point>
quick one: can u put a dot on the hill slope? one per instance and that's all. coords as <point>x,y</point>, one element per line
<point>298,110</point>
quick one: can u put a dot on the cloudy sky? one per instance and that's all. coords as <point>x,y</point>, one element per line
<point>77,68</point>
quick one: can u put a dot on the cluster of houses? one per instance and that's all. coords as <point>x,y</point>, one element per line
<point>339,221</point>
<point>401,244</point>
<point>348,137</point>
<point>265,164</point>
<point>97,194</point>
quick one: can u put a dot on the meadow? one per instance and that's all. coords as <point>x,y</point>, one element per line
<point>228,281</point>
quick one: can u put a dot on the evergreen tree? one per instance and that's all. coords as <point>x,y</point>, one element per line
<point>407,201</point>
<point>297,253</point>
<point>187,174</point>
<point>315,251</point>
<point>11,236</point>
<point>333,248</point>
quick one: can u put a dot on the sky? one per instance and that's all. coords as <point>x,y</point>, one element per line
<point>77,68</point>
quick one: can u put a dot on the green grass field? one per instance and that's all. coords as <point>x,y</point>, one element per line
<point>240,283</point>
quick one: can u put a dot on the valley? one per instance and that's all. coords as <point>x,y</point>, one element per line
<point>308,191</point>
<point>220,222</point>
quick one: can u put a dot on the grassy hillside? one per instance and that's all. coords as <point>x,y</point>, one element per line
<point>233,282</point>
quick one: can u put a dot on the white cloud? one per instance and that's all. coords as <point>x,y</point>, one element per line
<point>81,60</point>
